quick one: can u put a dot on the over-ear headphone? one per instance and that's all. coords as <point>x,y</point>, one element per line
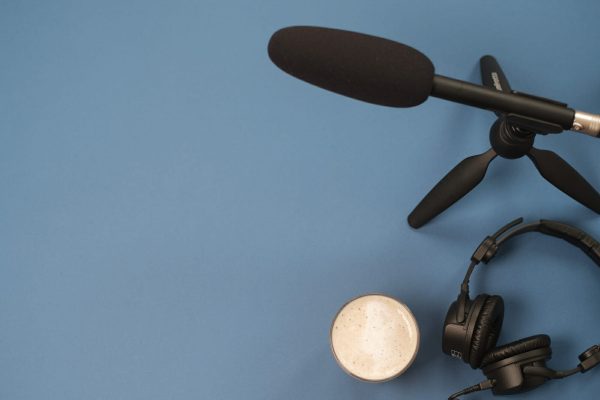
<point>472,327</point>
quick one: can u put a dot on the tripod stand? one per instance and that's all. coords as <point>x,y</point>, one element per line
<point>511,137</point>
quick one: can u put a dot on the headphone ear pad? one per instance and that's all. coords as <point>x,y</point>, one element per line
<point>515,348</point>
<point>506,364</point>
<point>487,328</point>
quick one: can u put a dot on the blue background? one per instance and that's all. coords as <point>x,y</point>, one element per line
<point>180,219</point>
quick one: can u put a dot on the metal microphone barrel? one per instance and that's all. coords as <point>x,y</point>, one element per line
<point>514,103</point>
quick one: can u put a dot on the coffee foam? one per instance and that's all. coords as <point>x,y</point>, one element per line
<point>374,338</point>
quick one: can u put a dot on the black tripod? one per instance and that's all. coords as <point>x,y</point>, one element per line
<point>511,136</point>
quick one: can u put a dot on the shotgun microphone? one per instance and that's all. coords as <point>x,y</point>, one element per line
<point>388,73</point>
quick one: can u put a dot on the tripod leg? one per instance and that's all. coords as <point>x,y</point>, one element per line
<point>565,178</point>
<point>492,75</point>
<point>457,183</point>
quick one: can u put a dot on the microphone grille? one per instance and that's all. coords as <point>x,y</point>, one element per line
<point>364,67</point>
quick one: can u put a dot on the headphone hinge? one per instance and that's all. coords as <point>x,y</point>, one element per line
<point>485,251</point>
<point>589,358</point>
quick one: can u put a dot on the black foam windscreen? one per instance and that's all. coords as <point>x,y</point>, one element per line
<point>364,67</point>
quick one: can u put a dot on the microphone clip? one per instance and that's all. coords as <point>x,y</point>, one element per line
<point>528,125</point>
<point>532,124</point>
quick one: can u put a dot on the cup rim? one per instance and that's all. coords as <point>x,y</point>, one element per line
<point>411,316</point>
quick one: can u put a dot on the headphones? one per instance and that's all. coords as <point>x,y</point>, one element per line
<point>472,327</point>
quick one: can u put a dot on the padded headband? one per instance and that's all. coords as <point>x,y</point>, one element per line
<point>575,236</point>
<point>490,245</point>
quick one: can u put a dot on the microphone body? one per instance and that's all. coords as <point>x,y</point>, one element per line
<point>534,107</point>
<point>537,108</point>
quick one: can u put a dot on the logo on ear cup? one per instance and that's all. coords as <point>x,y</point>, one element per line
<point>456,354</point>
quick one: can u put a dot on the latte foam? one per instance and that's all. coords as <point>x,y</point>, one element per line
<point>374,338</point>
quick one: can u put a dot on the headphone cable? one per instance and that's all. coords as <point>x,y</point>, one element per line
<point>485,385</point>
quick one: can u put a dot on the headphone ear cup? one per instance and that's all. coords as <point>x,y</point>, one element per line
<point>505,364</point>
<point>515,348</point>
<point>487,328</point>
<point>453,336</point>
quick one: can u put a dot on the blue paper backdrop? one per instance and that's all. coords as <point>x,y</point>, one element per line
<point>181,220</point>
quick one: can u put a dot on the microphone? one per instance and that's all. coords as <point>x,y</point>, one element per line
<point>384,72</point>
